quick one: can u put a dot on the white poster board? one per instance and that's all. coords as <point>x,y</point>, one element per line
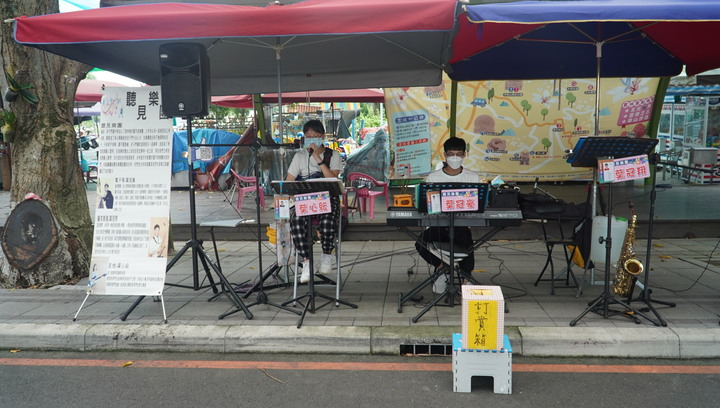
<point>133,201</point>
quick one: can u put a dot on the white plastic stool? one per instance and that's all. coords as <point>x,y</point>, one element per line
<point>468,363</point>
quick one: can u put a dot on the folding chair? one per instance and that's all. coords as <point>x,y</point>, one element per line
<point>551,214</point>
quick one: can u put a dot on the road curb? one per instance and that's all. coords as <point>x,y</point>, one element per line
<point>363,340</point>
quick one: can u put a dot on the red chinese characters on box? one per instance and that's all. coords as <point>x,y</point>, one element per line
<point>312,203</point>
<point>459,200</point>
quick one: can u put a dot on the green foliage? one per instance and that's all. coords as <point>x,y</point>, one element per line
<point>370,116</point>
<point>544,112</point>
<point>7,126</point>
<point>7,117</point>
<point>221,113</point>
<point>491,94</point>
<point>21,90</point>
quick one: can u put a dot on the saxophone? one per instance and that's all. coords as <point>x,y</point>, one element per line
<point>628,265</point>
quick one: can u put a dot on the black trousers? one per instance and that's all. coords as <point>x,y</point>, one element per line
<point>463,239</point>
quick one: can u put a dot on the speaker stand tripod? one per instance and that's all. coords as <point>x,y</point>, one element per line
<point>197,251</point>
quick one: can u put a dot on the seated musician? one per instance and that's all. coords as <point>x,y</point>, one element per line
<point>452,171</point>
<point>315,161</point>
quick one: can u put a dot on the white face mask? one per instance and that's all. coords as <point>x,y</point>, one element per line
<point>318,141</point>
<point>454,162</point>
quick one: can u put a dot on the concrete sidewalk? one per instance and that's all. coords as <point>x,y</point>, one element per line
<point>375,273</point>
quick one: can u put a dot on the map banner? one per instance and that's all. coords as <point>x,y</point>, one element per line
<point>517,129</point>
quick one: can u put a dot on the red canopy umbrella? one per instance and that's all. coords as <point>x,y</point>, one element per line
<point>314,44</point>
<point>91,90</point>
<point>345,95</point>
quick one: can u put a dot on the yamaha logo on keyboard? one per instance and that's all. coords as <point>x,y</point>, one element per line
<point>400,214</point>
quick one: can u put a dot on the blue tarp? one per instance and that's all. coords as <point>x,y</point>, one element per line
<point>211,136</point>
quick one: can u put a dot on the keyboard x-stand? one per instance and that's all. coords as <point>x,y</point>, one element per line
<point>403,217</point>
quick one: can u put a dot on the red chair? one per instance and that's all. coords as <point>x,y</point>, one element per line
<point>364,199</point>
<point>244,185</point>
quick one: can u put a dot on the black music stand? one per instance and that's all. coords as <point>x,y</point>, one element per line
<point>586,154</point>
<point>451,292</point>
<point>197,251</point>
<point>335,188</point>
<point>645,294</point>
<point>261,298</point>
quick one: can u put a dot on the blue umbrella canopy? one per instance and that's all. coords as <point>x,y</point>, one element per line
<point>585,39</point>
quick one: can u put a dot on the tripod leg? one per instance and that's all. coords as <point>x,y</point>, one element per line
<point>132,307</point>
<point>268,273</point>
<point>194,245</point>
<point>199,252</point>
<point>404,298</point>
<point>227,286</point>
<point>590,307</point>
<point>448,292</point>
<point>311,300</point>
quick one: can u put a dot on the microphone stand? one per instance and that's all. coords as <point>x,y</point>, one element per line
<point>645,294</point>
<point>262,298</point>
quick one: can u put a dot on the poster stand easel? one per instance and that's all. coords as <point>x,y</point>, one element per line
<point>586,154</point>
<point>93,280</point>
<point>335,188</point>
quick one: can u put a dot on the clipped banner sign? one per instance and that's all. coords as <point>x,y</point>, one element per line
<point>457,200</point>
<point>625,169</point>
<point>433,202</point>
<point>282,207</point>
<point>312,203</point>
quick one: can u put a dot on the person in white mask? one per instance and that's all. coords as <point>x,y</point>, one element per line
<point>315,161</point>
<point>452,171</point>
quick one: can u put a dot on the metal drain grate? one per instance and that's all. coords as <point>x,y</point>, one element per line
<point>426,349</point>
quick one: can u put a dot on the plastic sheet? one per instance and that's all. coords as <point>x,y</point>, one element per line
<point>372,159</point>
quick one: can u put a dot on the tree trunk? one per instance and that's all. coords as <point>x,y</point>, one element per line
<point>44,154</point>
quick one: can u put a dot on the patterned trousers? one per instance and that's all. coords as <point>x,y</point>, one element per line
<point>328,226</point>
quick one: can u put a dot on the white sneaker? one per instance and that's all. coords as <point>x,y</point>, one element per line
<point>440,283</point>
<point>326,262</point>
<point>305,277</point>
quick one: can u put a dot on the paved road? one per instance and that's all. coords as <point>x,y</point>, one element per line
<point>32,379</point>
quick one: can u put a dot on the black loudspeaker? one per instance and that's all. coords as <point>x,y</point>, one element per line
<point>185,81</point>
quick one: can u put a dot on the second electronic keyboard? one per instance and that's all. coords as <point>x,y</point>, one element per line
<point>411,217</point>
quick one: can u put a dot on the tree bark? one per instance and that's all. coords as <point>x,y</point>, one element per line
<point>44,157</point>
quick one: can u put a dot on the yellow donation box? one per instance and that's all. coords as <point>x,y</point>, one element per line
<point>483,314</point>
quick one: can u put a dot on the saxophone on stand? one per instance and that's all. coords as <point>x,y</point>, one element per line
<point>628,266</point>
